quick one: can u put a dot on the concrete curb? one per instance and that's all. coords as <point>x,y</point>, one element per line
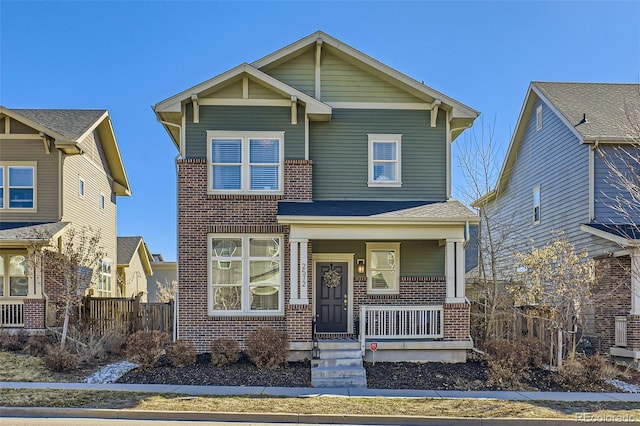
<point>44,412</point>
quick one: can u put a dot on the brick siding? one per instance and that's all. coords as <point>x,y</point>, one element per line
<point>34,314</point>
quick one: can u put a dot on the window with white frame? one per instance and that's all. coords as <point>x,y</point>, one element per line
<point>245,162</point>
<point>536,204</point>
<point>17,185</point>
<point>102,201</point>
<point>104,278</point>
<point>14,275</point>
<point>539,117</point>
<point>383,268</point>
<point>81,187</point>
<point>245,274</point>
<point>384,160</point>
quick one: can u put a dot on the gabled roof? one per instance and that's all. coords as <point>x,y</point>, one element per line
<point>604,106</point>
<point>128,247</point>
<point>69,127</point>
<point>22,234</point>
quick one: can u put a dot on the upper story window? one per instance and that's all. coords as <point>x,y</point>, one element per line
<point>14,271</point>
<point>102,201</point>
<point>384,160</point>
<point>245,274</point>
<point>81,187</point>
<point>245,162</point>
<point>536,204</point>
<point>17,185</point>
<point>383,269</point>
<point>539,117</point>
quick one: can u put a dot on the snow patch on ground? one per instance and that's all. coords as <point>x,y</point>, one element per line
<point>111,372</point>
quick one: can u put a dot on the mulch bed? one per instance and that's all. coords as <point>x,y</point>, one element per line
<point>381,375</point>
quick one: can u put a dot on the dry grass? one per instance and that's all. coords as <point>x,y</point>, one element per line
<point>316,405</point>
<point>16,367</point>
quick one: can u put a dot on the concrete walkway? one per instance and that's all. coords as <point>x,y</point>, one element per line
<point>344,392</point>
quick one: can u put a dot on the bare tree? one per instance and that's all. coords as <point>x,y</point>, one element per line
<point>70,268</point>
<point>166,290</point>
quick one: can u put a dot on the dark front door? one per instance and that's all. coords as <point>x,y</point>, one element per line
<point>331,297</point>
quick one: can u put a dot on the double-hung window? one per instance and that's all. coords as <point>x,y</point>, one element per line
<point>14,275</point>
<point>383,268</point>
<point>245,274</point>
<point>245,162</point>
<point>384,160</point>
<point>104,278</point>
<point>17,185</point>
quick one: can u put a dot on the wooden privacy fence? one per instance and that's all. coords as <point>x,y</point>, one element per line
<point>126,316</point>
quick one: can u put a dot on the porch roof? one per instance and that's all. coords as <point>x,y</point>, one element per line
<point>624,234</point>
<point>374,211</point>
<point>24,233</point>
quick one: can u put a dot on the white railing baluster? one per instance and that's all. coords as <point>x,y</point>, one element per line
<point>621,331</point>
<point>401,322</point>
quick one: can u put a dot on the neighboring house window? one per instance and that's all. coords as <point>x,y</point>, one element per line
<point>245,162</point>
<point>14,271</point>
<point>104,278</point>
<point>245,274</point>
<point>383,268</point>
<point>539,117</point>
<point>536,204</point>
<point>81,187</point>
<point>384,160</point>
<point>17,186</point>
<point>102,201</point>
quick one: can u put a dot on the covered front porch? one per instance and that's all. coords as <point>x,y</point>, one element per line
<point>393,279</point>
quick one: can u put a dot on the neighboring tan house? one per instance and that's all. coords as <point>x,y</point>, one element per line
<point>58,168</point>
<point>554,179</point>
<point>315,183</point>
<point>162,285</point>
<point>134,267</point>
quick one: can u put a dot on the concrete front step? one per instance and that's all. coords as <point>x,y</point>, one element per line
<point>338,344</point>
<point>340,354</point>
<point>356,382</point>
<point>339,365</point>
<point>337,362</point>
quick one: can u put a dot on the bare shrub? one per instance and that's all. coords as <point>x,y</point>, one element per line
<point>37,344</point>
<point>13,341</point>
<point>60,359</point>
<point>224,351</point>
<point>146,347</point>
<point>267,347</point>
<point>586,373</point>
<point>181,353</point>
<point>510,362</point>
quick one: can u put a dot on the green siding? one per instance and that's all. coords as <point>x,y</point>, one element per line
<point>339,150</point>
<point>417,258</point>
<point>298,72</point>
<point>244,118</point>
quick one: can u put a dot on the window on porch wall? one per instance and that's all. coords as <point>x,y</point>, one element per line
<point>383,268</point>
<point>14,271</point>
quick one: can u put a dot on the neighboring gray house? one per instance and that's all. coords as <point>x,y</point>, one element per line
<point>554,179</point>
<point>162,285</point>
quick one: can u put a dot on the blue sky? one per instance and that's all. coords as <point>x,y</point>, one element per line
<point>125,56</point>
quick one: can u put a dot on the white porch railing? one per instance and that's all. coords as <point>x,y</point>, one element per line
<point>621,332</point>
<point>12,313</point>
<point>400,322</point>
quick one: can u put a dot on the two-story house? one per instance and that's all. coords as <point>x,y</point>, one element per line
<point>555,178</point>
<point>314,197</point>
<point>58,168</point>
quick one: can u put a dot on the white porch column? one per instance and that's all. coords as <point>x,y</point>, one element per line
<point>293,271</point>
<point>634,253</point>
<point>298,272</point>
<point>304,299</point>
<point>455,280</point>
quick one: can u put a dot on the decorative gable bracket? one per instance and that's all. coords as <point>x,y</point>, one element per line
<point>435,106</point>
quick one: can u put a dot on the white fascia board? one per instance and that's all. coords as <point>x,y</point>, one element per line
<point>369,232</point>
<point>459,109</point>
<point>623,242</point>
<point>94,126</point>
<point>174,104</point>
<point>372,220</point>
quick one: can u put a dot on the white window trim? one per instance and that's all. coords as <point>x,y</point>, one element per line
<point>101,292</point>
<point>81,187</point>
<point>539,117</point>
<point>245,170</point>
<point>397,139</point>
<point>5,280</point>
<point>5,181</point>
<point>103,201</point>
<point>395,247</point>
<point>536,191</point>
<point>246,308</point>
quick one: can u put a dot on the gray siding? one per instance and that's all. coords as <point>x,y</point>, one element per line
<point>164,274</point>
<point>339,150</point>
<point>607,187</point>
<point>47,179</point>
<point>554,158</point>
<point>417,258</point>
<point>244,119</point>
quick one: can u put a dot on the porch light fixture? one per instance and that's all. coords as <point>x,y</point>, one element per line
<point>360,266</point>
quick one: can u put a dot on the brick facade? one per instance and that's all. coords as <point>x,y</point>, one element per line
<point>613,293</point>
<point>200,213</point>
<point>34,314</point>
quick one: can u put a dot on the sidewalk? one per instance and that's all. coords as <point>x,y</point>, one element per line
<point>345,392</point>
